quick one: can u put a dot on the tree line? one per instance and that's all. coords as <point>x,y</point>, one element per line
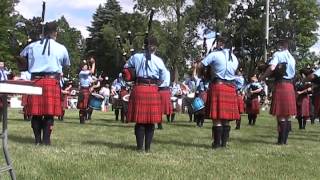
<point>114,33</point>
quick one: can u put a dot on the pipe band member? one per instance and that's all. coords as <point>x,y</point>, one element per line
<point>165,96</point>
<point>283,103</point>
<point>46,60</point>
<point>85,80</point>
<point>144,106</point>
<point>222,105</point>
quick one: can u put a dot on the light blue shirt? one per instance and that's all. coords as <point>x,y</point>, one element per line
<point>191,84</point>
<point>25,75</point>
<point>282,57</point>
<point>54,62</point>
<point>201,85</point>
<point>256,84</point>
<point>239,82</point>
<point>3,75</point>
<point>155,68</point>
<point>118,83</point>
<point>317,72</point>
<point>166,79</point>
<point>85,78</point>
<point>175,89</point>
<point>221,67</point>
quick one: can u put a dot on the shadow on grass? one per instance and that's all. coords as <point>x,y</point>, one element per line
<point>180,143</point>
<point>20,139</point>
<point>251,140</point>
<point>300,137</point>
<point>111,145</point>
<point>96,124</point>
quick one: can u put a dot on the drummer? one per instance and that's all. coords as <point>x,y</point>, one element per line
<point>165,95</point>
<point>188,89</point>
<point>95,88</point>
<point>252,100</point>
<point>222,105</point>
<point>176,94</point>
<point>84,94</point>
<point>202,85</point>
<point>65,92</point>
<point>46,58</point>
<point>119,89</point>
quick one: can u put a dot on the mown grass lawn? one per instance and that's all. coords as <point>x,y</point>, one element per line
<point>105,149</point>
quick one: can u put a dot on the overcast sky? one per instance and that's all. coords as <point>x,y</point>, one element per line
<point>77,12</point>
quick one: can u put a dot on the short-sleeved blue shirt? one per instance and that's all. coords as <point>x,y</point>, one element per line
<point>39,62</point>
<point>284,56</point>
<point>154,70</point>
<point>222,66</point>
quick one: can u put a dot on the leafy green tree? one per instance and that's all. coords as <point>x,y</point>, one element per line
<point>96,44</point>
<point>73,40</point>
<point>6,28</point>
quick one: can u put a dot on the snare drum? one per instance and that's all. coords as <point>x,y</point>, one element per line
<point>191,95</point>
<point>174,101</point>
<point>197,104</point>
<point>95,101</point>
<point>126,98</point>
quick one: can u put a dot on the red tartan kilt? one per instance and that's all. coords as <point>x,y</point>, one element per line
<point>240,104</point>
<point>49,103</point>
<point>83,98</point>
<point>166,104</point>
<point>253,107</point>
<point>317,105</point>
<point>303,105</point>
<point>222,103</point>
<point>144,105</point>
<point>283,100</point>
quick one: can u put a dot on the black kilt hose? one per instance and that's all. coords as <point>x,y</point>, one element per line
<point>283,100</point>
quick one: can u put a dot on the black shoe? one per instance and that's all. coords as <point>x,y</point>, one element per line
<point>160,126</point>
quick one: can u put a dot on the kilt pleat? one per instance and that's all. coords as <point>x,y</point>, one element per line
<point>83,98</point>
<point>166,104</point>
<point>253,107</point>
<point>144,105</point>
<point>303,105</point>
<point>283,100</point>
<point>49,103</point>
<point>240,103</point>
<point>222,103</point>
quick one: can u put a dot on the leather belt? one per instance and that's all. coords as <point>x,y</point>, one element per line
<point>222,81</point>
<point>163,88</point>
<point>147,81</point>
<point>284,81</point>
<point>50,75</point>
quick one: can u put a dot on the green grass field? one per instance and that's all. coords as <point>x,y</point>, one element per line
<point>105,149</point>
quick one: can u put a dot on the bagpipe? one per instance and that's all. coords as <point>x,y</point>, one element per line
<point>277,73</point>
<point>129,74</point>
